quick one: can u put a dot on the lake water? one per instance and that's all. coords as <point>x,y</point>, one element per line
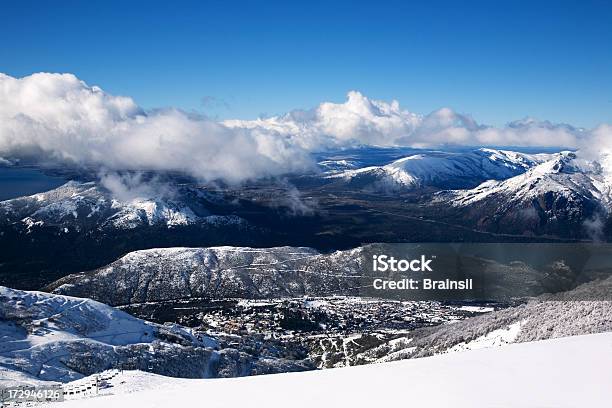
<point>20,181</point>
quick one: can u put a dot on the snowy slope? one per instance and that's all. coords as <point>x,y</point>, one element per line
<point>59,338</point>
<point>562,175</point>
<point>443,169</point>
<point>567,372</point>
<point>83,206</point>
<point>564,196</point>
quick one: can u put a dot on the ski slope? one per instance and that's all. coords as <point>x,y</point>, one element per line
<point>565,372</point>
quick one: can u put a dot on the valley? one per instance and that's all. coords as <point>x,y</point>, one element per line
<point>145,272</point>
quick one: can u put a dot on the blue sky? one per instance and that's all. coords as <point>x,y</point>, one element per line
<point>495,60</point>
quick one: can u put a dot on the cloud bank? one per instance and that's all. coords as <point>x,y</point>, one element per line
<point>58,118</point>
<point>361,120</point>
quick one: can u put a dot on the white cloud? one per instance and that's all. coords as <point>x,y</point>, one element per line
<point>600,140</point>
<point>365,121</point>
<point>135,186</point>
<point>58,118</point>
<point>358,120</point>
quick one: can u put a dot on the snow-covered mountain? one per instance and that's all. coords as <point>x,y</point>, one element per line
<point>442,170</point>
<point>47,337</point>
<point>217,273</point>
<point>564,195</point>
<point>83,206</point>
<point>561,175</point>
<point>561,195</point>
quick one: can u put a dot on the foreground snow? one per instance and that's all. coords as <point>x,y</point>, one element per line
<point>567,372</point>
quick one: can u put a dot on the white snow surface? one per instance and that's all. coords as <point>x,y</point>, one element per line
<point>565,372</point>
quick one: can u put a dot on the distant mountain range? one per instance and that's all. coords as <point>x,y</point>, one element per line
<point>89,206</point>
<point>442,170</point>
<point>478,195</point>
<point>504,192</point>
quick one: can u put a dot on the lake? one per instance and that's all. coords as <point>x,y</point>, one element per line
<point>20,181</point>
